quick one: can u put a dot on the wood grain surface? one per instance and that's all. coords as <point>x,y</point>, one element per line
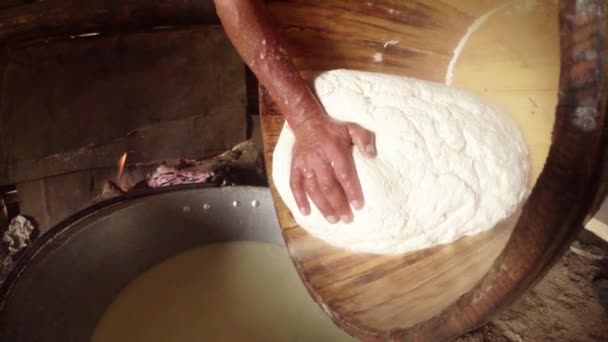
<point>440,293</point>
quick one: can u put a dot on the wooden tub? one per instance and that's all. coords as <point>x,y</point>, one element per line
<point>544,62</point>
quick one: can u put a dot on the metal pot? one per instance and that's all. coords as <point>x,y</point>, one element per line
<point>62,285</point>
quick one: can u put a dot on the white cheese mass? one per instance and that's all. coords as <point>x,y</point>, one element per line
<point>449,165</point>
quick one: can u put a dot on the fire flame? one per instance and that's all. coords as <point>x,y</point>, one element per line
<point>121,167</point>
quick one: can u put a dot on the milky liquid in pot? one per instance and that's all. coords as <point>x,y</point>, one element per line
<point>241,291</point>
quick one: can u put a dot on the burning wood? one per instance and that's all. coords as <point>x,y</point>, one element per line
<point>166,176</point>
<point>229,168</point>
<point>110,189</point>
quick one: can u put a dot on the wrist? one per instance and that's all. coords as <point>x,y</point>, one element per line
<point>302,109</point>
<point>308,124</point>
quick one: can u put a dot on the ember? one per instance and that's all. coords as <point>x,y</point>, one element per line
<point>166,176</point>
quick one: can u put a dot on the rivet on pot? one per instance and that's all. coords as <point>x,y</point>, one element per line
<point>236,204</point>
<point>255,203</point>
<point>186,209</point>
<point>206,206</point>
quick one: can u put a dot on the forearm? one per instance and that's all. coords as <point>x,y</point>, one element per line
<point>250,28</point>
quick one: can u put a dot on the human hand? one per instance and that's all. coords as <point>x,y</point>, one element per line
<point>323,167</point>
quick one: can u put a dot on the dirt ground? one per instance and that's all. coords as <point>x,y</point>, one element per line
<point>562,307</point>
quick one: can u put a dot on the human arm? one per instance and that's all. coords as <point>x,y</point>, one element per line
<point>322,167</point>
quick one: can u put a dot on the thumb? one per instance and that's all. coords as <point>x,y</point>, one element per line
<point>364,140</point>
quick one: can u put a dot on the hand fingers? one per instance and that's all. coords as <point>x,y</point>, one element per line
<point>333,192</point>
<point>364,140</point>
<point>346,173</point>
<point>314,192</point>
<point>296,182</point>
